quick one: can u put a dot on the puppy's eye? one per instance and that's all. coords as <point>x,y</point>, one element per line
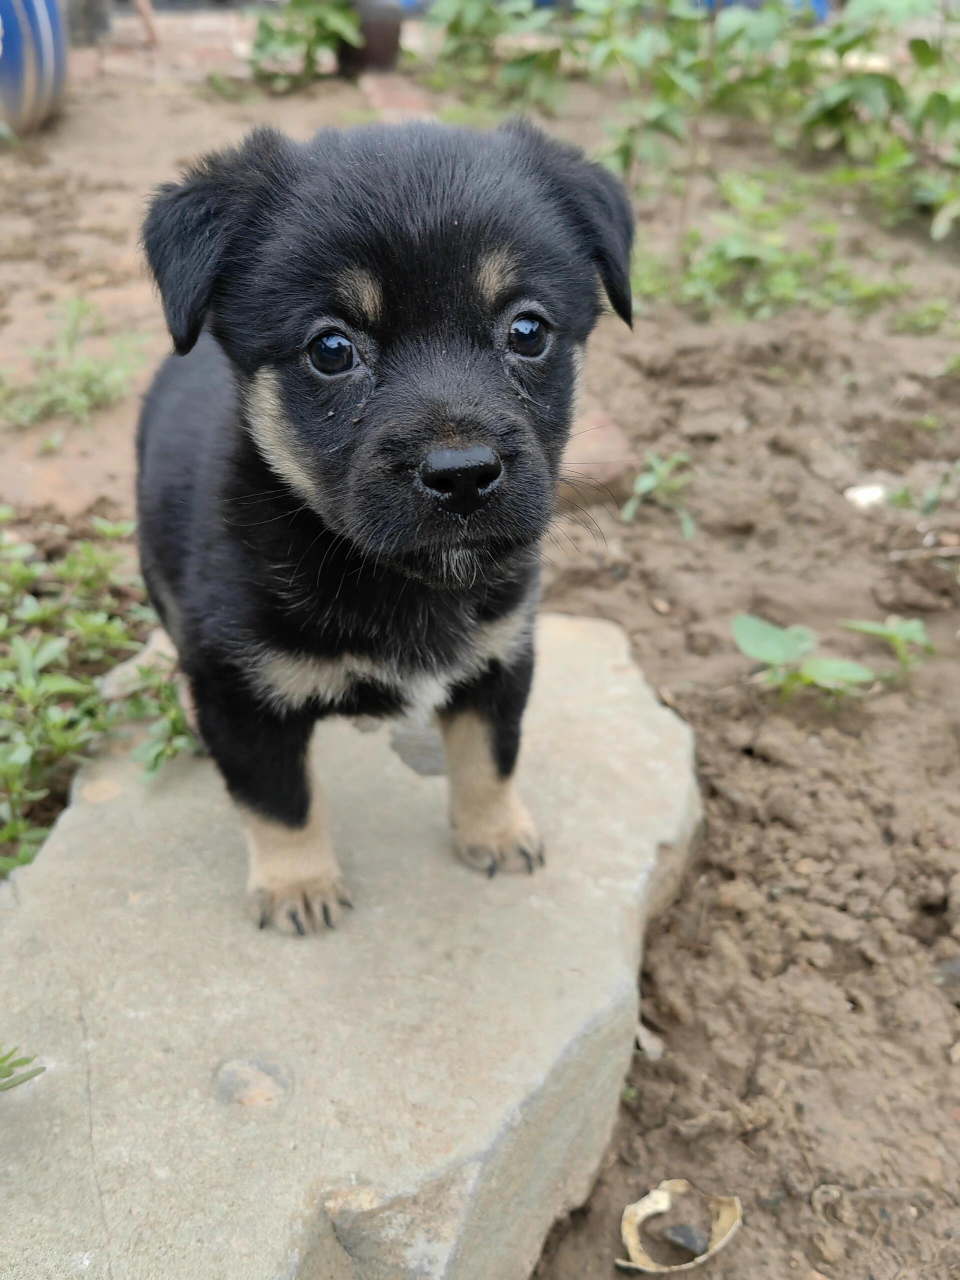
<point>528,336</point>
<point>332,353</point>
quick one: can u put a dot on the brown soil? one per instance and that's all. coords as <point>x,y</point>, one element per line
<point>805,985</point>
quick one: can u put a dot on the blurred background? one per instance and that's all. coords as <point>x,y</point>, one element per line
<point>763,490</point>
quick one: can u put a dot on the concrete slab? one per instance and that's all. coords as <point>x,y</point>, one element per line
<point>418,1095</point>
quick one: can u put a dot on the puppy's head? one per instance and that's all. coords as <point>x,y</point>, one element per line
<point>406,310</point>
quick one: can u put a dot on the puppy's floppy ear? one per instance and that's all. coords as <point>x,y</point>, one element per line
<point>594,201</point>
<point>191,226</point>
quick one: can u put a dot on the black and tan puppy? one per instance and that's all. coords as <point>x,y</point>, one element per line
<point>345,471</point>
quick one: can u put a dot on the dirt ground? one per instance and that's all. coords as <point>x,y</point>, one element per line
<point>806,984</point>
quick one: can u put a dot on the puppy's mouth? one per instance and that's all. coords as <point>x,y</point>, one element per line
<point>464,563</point>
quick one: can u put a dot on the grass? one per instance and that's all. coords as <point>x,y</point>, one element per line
<point>67,381</point>
<point>12,1070</point>
<point>757,274</point>
<point>925,318</point>
<point>65,618</point>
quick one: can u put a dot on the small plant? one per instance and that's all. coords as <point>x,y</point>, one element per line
<point>12,1069</point>
<point>790,661</point>
<point>169,734</point>
<point>758,274</point>
<point>907,637</point>
<point>226,88</point>
<point>62,623</point>
<point>66,381</point>
<point>473,55</point>
<point>662,482</point>
<point>286,46</point>
<point>928,317</point>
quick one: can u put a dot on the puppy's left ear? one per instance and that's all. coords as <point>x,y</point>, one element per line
<point>192,226</point>
<point>595,201</point>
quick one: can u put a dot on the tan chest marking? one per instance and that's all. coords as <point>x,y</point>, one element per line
<point>292,680</point>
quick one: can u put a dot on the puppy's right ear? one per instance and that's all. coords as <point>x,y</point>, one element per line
<point>191,226</point>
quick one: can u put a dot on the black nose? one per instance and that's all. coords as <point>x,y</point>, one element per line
<point>461,479</point>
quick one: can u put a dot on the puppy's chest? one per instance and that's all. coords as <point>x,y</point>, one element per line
<point>356,684</point>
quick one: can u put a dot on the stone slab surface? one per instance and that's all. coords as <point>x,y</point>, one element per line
<point>417,1095</point>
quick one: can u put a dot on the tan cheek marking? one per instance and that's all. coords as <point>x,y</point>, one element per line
<point>491,825</point>
<point>294,875</point>
<point>496,273</point>
<point>275,434</point>
<point>359,289</point>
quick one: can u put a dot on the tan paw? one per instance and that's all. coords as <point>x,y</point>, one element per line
<point>298,907</point>
<point>510,844</point>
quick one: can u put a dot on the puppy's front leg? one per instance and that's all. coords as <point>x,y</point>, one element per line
<point>481,735</point>
<point>294,879</point>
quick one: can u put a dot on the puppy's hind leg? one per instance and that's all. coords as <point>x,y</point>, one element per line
<point>492,828</point>
<point>294,881</point>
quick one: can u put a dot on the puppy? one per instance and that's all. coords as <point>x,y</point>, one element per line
<point>345,470</point>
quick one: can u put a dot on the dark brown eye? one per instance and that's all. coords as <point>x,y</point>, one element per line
<point>332,353</point>
<point>528,336</point>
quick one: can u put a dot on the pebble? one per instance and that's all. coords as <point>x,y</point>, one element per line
<point>690,1239</point>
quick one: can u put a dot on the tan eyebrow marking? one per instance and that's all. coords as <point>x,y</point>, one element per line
<point>359,289</point>
<point>497,271</point>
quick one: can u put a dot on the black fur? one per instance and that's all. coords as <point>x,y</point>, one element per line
<point>341,552</point>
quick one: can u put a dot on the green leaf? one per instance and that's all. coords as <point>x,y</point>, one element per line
<point>63,686</point>
<point>835,673</point>
<point>50,651</point>
<point>765,642</point>
<point>21,1079</point>
<point>943,221</point>
<point>866,628</point>
<point>688,526</point>
<point>923,52</point>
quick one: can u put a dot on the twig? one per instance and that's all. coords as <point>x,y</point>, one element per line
<point>925,553</point>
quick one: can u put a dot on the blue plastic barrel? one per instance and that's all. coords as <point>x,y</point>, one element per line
<point>33,62</point>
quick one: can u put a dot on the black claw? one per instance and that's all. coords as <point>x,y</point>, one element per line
<point>527,858</point>
<point>297,922</point>
<point>327,917</point>
<point>345,902</point>
<point>492,869</point>
<point>264,919</point>
<point>541,860</point>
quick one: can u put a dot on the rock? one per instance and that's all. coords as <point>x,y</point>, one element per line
<point>599,463</point>
<point>417,1095</point>
<point>690,1239</point>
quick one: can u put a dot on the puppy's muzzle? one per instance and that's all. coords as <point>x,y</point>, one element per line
<point>461,481</point>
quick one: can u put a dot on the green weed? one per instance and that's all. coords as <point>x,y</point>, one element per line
<point>63,621</point>
<point>12,1070</point>
<point>907,637</point>
<point>927,317</point>
<point>287,44</point>
<point>472,56</point>
<point>662,482</point>
<point>226,88</point>
<point>66,381</point>
<point>790,661</point>
<point>759,274</point>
